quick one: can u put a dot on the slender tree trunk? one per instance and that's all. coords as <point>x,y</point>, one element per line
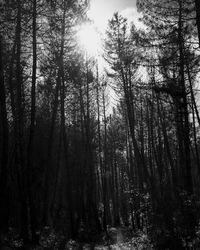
<point>10,82</point>
<point>197,6</point>
<point>19,137</point>
<point>115,189</point>
<point>4,197</point>
<point>194,111</point>
<point>187,175</point>
<point>30,149</point>
<point>105,171</point>
<point>56,185</point>
<point>192,92</point>
<point>161,114</point>
<point>143,172</point>
<point>48,165</point>
<point>195,139</point>
<point>65,144</point>
<point>100,171</point>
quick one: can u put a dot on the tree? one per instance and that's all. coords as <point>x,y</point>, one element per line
<point>121,55</point>
<point>4,177</point>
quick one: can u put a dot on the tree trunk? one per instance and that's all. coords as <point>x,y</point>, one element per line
<point>183,106</point>
<point>30,149</point>
<point>197,6</point>
<point>19,124</point>
<point>4,197</point>
<point>48,165</point>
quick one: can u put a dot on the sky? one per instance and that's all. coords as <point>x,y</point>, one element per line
<point>102,10</point>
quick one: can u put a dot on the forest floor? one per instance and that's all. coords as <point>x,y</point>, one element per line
<point>116,239</point>
<point>119,239</point>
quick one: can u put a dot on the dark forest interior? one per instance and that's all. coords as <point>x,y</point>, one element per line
<point>79,171</point>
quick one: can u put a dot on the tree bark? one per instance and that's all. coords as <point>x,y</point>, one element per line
<point>30,148</point>
<point>4,197</point>
<point>197,6</point>
<point>183,106</point>
<point>19,130</point>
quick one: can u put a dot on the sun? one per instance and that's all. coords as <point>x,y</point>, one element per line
<point>89,39</point>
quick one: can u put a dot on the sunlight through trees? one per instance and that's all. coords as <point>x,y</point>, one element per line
<point>99,133</point>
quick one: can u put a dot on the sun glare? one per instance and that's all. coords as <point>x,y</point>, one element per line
<point>89,39</point>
